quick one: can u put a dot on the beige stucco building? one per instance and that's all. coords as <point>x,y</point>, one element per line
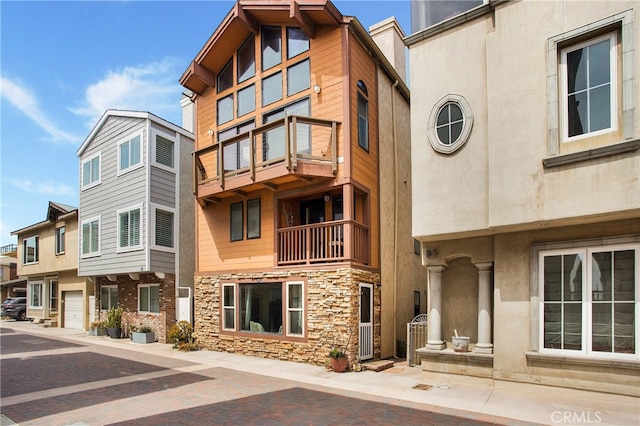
<point>526,189</point>
<point>48,259</point>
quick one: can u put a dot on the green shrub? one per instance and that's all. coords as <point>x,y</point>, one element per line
<point>114,317</point>
<point>181,332</point>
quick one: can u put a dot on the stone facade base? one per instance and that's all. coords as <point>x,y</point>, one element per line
<point>160,322</point>
<point>331,315</point>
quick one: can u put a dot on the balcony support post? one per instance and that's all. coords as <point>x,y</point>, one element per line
<point>347,211</point>
<point>334,153</point>
<point>287,147</point>
<point>252,156</point>
<point>221,164</point>
<point>294,141</point>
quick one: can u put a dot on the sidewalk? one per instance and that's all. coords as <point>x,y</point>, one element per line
<point>408,386</point>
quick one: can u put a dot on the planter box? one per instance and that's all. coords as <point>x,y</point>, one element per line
<point>97,331</point>
<point>114,333</point>
<point>143,337</point>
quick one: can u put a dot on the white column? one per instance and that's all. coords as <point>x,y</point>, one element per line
<point>434,339</point>
<point>484,344</point>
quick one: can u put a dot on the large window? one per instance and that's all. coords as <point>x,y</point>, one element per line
<point>30,250</point>
<point>246,60</point>
<point>108,297</point>
<point>236,155</point>
<point>90,237</point>
<point>588,300</point>
<point>253,218</point>
<point>589,74</point>
<point>225,77</point>
<point>35,295</point>
<point>90,171</point>
<point>271,47</point>
<point>149,298</point>
<point>129,222</point>
<point>298,77</point>
<point>259,308</point>
<point>363,116</point>
<point>130,153</point>
<point>271,88</point>
<point>297,42</point>
<point>273,143</point>
<point>60,233</point>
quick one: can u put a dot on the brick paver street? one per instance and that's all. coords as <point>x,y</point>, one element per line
<point>48,380</point>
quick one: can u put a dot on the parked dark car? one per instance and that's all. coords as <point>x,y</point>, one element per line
<point>16,308</point>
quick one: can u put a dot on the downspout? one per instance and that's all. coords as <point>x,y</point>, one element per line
<point>395,217</point>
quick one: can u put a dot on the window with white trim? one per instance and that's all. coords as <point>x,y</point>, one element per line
<point>90,171</point>
<point>229,307</point>
<point>108,297</point>
<point>295,309</point>
<point>164,151</point>
<point>149,298</point>
<point>588,73</point>
<point>450,124</point>
<point>30,250</point>
<point>129,222</point>
<point>53,295</point>
<point>588,300</point>
<point>60,234</point>
<point>259,308</point>
<point>35,295</point>
<point>164,228</point>
<point>130,153</point>
<point>90,237</point>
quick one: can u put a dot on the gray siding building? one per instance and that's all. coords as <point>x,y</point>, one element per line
<point>136,219</point>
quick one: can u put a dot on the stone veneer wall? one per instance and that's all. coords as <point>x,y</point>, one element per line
<point>332,307</point>
<point>128,299</point>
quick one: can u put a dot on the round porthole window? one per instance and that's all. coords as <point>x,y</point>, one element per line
<point>449,124</point>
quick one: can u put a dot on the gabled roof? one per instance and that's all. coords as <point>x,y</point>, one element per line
<point>245,18</point>
<point>131,114</point>
<point>55,212</point>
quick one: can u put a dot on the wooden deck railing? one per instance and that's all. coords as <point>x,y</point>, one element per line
<point>335,241</point>
<point>286,140</point>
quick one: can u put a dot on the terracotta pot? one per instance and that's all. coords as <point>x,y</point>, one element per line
<point>339,365</point>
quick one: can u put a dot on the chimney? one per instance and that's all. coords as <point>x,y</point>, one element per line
<point>390,39</point>
<point>186,102</point>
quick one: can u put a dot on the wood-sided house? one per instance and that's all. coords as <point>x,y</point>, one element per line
<point>302,181</point>
<point>136,218</point>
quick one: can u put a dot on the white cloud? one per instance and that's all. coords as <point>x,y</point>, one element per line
<point>46,187</point>
<point>26,102</point>
<point>150,87</point>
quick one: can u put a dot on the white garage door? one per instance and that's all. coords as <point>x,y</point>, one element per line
<point>73,310</point>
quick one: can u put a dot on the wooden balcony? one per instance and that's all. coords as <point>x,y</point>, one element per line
<point>293,148</point>
<point>337,241</point>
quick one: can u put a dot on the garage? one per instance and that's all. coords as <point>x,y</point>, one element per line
<point>73,317</point>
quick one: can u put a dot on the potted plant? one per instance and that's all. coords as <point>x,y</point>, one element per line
<point>339,360</point>
<point>142,334</point>
<point>114,322</point>
<point>97,328</point>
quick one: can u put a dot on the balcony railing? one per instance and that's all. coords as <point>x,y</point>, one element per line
<point>302,146</point>
<point>8,248</point>
<point>337,241</point>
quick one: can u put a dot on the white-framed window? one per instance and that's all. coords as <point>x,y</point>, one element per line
<point>588,72</point>
<point>622,73</point>
<point>164,229</point>
<point>163,150</point>
<point>30,250</point>
<point>149,298</point>
<point>130,153</point>
<point>258,307</point>
<point>450,124</point>
<point>108,297</point>
<point>90,237</point>
<point>229,307</point>
<point>35,295</point>
<point>60,239</point>
<point>90,171</point>
<point>129,229</point>
<point>295,309</point>
<point>588,301</point>
<point>53,295</point>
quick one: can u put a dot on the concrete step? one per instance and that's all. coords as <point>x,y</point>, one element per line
<point>378,365</point>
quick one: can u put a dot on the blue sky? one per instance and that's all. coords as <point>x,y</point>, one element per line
<point>62,64</point>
